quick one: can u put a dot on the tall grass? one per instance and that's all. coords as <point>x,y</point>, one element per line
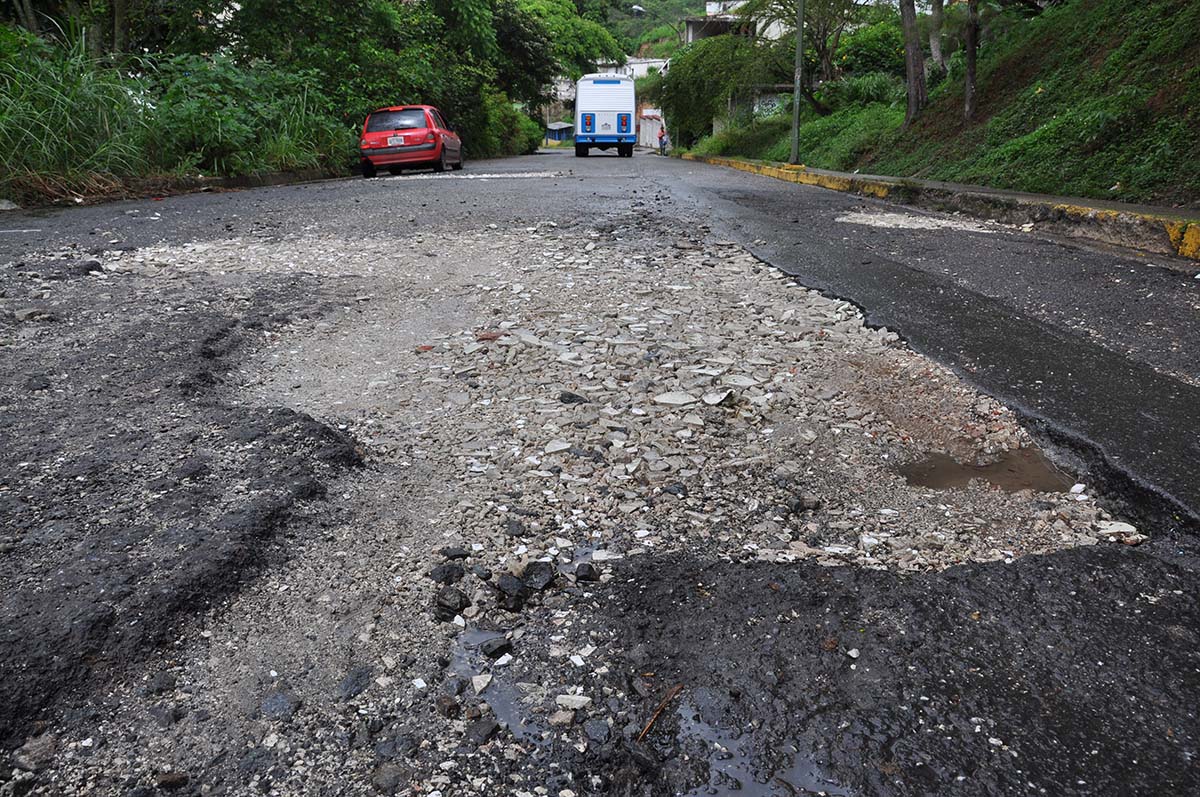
<point>216,116</point>
<point>74,124</point>
<point>64,114</point>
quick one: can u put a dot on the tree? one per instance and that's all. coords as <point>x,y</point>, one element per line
<point>914,62</point>
<point>935,35</point>
<point>824,23</point>
<point>972,47</point>
<point>469,25</point>
<point>709,75</point>
<point>578,44</point>
<point>525,65</point>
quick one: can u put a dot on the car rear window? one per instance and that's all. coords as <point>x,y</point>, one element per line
<point>395,120</point>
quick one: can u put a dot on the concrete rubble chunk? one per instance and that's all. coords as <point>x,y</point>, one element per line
<point>675,399</point>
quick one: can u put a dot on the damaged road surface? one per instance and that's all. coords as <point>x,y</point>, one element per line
<point>306,497</point>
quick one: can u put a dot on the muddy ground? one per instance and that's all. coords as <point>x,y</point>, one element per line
<point>597,504</point>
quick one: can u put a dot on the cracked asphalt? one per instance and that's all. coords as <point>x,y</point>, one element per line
<point>209,591</point>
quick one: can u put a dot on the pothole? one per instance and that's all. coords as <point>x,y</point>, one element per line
<point>733,769</point>
<point>505,700</point>
<point>1014,471</point>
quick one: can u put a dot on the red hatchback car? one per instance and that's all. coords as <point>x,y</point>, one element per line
<point>408,137</point>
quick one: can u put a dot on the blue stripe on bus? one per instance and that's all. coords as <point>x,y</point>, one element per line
<point>606,81</point>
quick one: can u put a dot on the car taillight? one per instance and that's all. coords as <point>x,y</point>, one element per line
<point>431,136</point>
<point>362,142</point>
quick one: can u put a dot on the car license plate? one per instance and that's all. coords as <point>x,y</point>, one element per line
<point>395,141</point>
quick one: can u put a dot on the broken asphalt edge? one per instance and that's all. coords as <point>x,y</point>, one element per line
<point>157,187</point>
<point>1126,491</point>
<point>1133,227</point>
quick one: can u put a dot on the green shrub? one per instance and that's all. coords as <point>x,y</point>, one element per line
<point>707,73</point>
<point>503,130</point>
<point>217,117</point>
<point>872,48</point>
<point>749,141</point>
<point>67,114</point>
<point>862,90</point>
<point>843,139</point>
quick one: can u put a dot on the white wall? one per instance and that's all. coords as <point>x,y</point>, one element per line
<point>634,67</point>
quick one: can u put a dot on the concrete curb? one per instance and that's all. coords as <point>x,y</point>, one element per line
<point>1129,226</point>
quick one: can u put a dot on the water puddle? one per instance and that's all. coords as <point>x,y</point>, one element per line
<point>505,698</point>
<point>732,768</point>
<point>1023,469</point>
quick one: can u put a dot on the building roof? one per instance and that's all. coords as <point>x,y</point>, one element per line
<point>559,125</point>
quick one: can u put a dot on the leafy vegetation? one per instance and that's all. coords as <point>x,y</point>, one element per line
<point>708,78</point>
<point>211,116</point>
<point>62,112</point>
<point>93,92</point>
<point>656,32</point>
<point>1094,98</point>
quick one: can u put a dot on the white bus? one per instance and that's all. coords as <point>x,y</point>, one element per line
<point>605,114</point>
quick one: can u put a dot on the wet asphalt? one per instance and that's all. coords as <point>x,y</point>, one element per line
<point>1075,673</point>
<point>1097,347</point>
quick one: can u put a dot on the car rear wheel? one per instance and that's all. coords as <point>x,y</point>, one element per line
<point>440,164</point>
<point>368,169</point>
<point>581,150</point>
<point>458,164</point>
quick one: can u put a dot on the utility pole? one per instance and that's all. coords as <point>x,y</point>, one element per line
<point>799,81</point>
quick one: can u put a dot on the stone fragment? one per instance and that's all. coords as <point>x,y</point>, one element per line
<point>675,399</point>
<point>482,730</point>
<point>37,753</point>
<point>597,730</point>
<point>33,314</point>
<point>586,571</point>
<point>718,397</point>
<point>448,573</point>
<point>495,647</point>
<point>447,706</point>
<point>169,781</point>
<point>562,718</point>
<point>511,592</point>
<point>448,602</point>
<point>539,575</point>
<point>389,777</point>
<point>573,702</point>
<point>279,704</point>
<point>355,682</point>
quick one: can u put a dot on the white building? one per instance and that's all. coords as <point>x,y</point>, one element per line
<point>635,67</point>
<point>722,17</point>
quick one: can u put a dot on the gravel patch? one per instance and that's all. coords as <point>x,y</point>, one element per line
<point>543,412</point>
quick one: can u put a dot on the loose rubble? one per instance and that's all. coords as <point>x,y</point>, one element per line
<point>540,404</point>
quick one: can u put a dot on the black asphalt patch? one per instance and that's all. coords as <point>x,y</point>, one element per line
<point>1069,674</point>
<point>132,495</point>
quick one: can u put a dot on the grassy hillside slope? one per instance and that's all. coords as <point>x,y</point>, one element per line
<point>1094,98</point>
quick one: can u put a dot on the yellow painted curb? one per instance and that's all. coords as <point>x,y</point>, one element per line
<point>1183,236</point>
